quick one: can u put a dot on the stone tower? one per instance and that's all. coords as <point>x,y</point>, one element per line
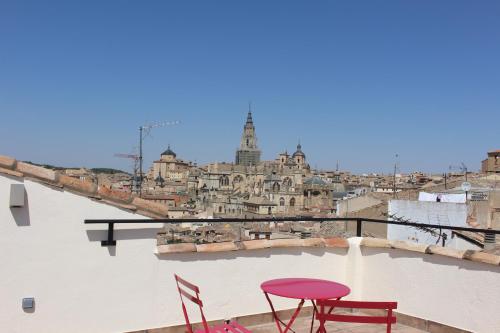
<point>299,156</point>
<point>248,154</point>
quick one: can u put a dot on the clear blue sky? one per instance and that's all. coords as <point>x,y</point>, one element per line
<point>356,81</point>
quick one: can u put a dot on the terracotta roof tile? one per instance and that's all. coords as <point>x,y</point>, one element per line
<point>77,184</point>
<point>115,195</point>
<point>11,172</point>
<point>7,162</point>
<point>48,177</point>
<point>37,171</point>
<point>150,206</point>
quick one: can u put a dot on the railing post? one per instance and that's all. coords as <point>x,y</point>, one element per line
<point>489,240</point>
<point>359,224</point>
<point>110,241</point>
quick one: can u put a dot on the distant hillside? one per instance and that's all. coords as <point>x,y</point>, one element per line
<point>107,170</point>
<point>94,170</point>
<point>48,166</point>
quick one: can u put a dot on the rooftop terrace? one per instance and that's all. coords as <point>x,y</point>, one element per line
<point>49,254</point>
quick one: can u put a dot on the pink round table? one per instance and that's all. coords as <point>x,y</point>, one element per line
<point>303,289</point>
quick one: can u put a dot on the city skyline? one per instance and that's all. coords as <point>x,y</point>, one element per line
<point>354,83</point>
<point>290,149</point>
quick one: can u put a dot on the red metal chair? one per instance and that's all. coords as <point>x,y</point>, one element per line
<point>326,308</point>
<point>228,327</point>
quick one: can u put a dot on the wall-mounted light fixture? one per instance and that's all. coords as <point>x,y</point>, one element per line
<point>17,195</point>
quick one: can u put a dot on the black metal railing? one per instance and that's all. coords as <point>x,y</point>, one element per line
<point>110,241</point>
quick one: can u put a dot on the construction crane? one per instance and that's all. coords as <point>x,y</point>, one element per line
<point>143,132</point>
<point>135,179</point>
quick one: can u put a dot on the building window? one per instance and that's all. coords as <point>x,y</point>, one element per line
<point>282,201</point>
<point>292,202</point>
<point>276,187</point>
<point>224,181</point>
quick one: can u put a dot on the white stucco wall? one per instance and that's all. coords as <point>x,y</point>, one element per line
<point>346,206</point>
<point>451,291</point>
<point>441,213</point>
<point>48,253</point>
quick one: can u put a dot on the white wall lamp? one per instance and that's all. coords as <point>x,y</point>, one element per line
<point>17,195</point>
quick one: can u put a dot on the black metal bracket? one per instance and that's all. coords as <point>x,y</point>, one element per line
<point>359,226</point>
<point>110,241</point>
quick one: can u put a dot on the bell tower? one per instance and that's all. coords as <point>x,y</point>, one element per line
<point>248,154</point>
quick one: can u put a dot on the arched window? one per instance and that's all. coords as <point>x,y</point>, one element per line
<point>292,202</point>
<point>282,201</point>
<point>276,187</point>
<point>224,181</point>
<point>220,209</point>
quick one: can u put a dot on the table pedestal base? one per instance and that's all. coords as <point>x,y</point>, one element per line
<point>287,327</point>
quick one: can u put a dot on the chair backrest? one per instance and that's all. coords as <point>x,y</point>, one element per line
<point>326,308</point>
<point>182,287</point>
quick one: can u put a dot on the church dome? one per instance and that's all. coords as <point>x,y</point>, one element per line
<point>299,152</point>
<point>168,152</point>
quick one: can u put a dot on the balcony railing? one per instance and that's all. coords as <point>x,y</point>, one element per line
<point>110,241</point>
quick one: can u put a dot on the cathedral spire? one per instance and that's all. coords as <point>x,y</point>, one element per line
<point>249,115</point>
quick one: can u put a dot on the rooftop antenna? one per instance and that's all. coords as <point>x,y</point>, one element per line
<point>144,131</point>
<point>135,158</point>
<point>394,177</point>
<point>462,167</point>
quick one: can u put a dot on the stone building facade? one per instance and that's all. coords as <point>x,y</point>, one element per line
<point>492,163</point>
<point>283,186</point>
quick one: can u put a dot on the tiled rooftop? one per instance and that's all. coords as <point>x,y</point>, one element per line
<point>124,200</point>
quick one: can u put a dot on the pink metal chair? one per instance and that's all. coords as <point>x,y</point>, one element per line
<point>326,308</point>
<point>228,327</point>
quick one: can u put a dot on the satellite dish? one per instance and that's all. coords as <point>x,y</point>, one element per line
<point>466,186</point>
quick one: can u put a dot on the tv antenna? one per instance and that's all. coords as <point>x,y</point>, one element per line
<point>462,168</point>
<point>135,179</point>
<point>144,131</point>
<point>396,168</point>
